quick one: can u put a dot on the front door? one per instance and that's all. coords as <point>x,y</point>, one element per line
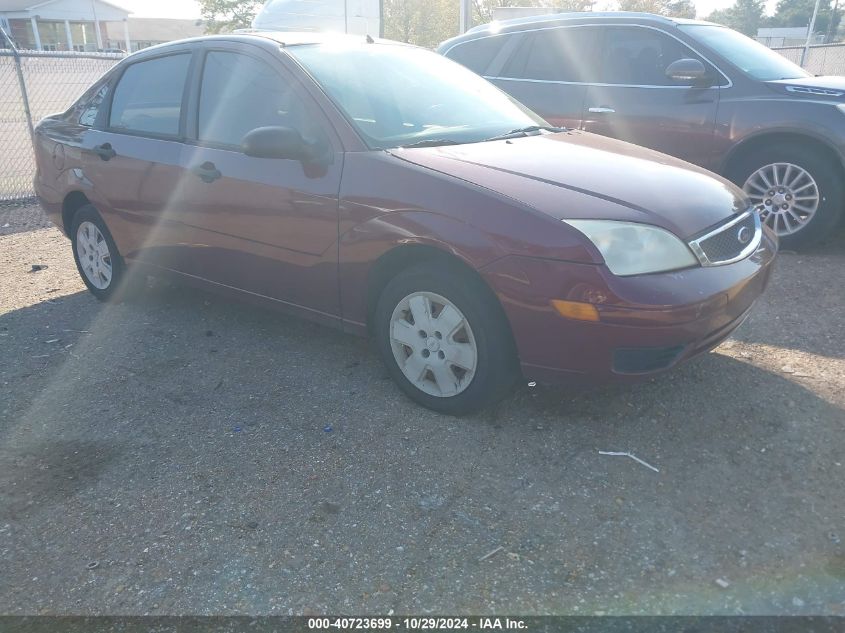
<point>266,226</point>
<point>632,99</point>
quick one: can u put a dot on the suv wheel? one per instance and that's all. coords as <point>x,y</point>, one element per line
<point>798,193</point>
<point>444,339</point>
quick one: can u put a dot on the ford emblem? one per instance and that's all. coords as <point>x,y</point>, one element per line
<point>744,235</point>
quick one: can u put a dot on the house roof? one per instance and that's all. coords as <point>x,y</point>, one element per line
<point>27,5</point>
<point>164,29</point>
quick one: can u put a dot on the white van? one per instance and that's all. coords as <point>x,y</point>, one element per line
<point>360,17</point>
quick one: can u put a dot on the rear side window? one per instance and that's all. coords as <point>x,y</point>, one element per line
<point>477,54</point>
<point>240,93</point>
<point>563,54</point>
<point>639,57</point>
<point>148,97</point>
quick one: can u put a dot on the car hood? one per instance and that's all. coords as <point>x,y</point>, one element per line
<point>577,175</point>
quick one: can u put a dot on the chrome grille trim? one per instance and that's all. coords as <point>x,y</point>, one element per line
<point>752,246</point>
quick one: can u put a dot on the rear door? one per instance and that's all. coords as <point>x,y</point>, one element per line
<point>267,226</point>
<point>548,70</point>
<point>132,157</point>
<point>630,97</point>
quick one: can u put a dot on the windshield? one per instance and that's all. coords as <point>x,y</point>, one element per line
<point>751,57</point>
<point>401,95</point>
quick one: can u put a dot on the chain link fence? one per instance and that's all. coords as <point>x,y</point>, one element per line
<point>32,85</point>
<point>825,59</point>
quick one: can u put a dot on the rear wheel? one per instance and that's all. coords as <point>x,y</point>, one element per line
<point>96,255</point>
<point>444,339</point>
<point>798,192</point>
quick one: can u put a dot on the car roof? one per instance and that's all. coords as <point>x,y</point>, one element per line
<point>273,38</point>
<point>519,24</point>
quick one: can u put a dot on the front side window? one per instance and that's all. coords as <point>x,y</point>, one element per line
<point>398,95</point>
<point>639,57</point>
<point>563,54</point>
<point>240,93</point>
<point>148,97</point>
<point>751,57</point>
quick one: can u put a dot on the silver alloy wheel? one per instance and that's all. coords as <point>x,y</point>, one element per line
<point>433,344</point>
<point>786,196</point>
<point>93,254</point>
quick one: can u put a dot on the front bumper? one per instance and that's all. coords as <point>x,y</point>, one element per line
<point>648,323</point>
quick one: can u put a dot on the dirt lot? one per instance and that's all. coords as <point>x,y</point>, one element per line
<point>180,454</point>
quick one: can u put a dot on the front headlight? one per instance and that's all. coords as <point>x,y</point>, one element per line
<point>629,248</point>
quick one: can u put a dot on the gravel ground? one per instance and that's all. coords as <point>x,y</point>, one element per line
<point>180,454</point>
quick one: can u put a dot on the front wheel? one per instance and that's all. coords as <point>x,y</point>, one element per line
<point>444,339</point>
<point>798,192</point>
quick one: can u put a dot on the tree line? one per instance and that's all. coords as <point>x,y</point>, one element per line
<point>429,22</point>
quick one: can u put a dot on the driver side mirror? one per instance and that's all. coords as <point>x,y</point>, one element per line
<point>686,70</point>
<point>279,142</point>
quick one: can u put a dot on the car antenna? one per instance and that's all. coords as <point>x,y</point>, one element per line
<point>370,39</point>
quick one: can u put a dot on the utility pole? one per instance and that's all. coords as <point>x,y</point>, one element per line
<point>96,25</point>
<point>810,33</point>
<point>466,15</point>
<point>831,29</point>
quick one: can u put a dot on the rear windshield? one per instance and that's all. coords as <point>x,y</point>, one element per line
<point>751,57</point>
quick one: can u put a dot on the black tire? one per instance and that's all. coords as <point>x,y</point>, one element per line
<point>496,366</point>
<point>117,288</point>
<point>822,169</point>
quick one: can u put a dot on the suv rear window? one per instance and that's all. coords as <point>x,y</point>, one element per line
<point>560,54</point>
<point>148,97</point>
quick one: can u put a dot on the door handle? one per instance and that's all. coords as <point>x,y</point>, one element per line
<point>602,110</point>
<point>207,172</point>
<point>104,151</point>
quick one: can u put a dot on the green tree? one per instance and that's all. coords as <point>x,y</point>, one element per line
<point>222,16</point>
<point>746,16</point>
<point>669,8</point>
<point>420,22</point>
<point>797,13</point>
<point>482,10</point>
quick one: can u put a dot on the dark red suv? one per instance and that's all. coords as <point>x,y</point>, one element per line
<point>695,90</point>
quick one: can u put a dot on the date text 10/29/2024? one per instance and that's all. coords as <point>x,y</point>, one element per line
<point>416,624</point>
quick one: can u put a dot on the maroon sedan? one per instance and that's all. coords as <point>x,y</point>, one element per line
<point>384,189</point>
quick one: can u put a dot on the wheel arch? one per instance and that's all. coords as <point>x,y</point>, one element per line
<point>405,256</point>
<point>73,201</point>
<point>753,143</point>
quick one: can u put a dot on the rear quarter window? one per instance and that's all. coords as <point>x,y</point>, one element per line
<point>477,54</point>
<point>89,106</point>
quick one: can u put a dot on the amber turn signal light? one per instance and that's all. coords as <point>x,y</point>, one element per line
<point>576,310</point>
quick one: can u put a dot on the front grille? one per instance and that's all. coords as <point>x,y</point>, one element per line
<point>640,360</point>
<point>734,240</point>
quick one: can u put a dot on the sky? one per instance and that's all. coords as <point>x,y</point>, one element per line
<point>190,8</point>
